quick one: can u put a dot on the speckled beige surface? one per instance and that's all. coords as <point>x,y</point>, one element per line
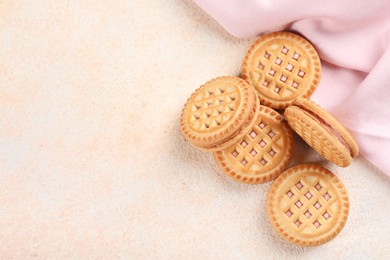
<point>92,163</point>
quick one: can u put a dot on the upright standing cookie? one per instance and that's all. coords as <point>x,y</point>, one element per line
<point>307,205</point>
<point>322,132</point>
<point>282,66</point>
<point>218,113</point>
<point>262,154</point>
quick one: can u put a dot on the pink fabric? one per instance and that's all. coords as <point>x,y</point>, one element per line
<point>352,38</point>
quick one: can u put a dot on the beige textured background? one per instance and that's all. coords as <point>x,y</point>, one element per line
<point>92,164</point>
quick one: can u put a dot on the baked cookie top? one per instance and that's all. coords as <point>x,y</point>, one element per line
<point>307,205</point>
<point>282,66</point>
<point>262,154</point>
<point>217,110</point>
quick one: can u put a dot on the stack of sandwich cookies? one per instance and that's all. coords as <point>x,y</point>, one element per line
<point>252,143</point>
<point>282,66</point>
<point>322,132</point>
<point>307,205</point>
<point>262,154</point>
<point>219,113</point>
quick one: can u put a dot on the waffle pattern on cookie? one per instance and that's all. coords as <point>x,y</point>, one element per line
<point>262,154</point>
<point>282,66</point>
<point>308,205</point>
<point>217,111</point>
<point>214,106</point>
<point>246,127</point>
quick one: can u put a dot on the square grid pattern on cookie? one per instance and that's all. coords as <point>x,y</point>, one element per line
<point>213,107</point>
<point>258,147</point>
<point>308,205</point>
<point>283,68</point>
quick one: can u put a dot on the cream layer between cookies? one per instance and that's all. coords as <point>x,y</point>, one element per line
<point>328,127</point>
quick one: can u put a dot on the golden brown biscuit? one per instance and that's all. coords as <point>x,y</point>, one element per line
<point>307,205</point>
<point>248,125</point>
<point>322,132</point>
<point>282,66</point>
<point>218,112</point>
<point>262,154</point>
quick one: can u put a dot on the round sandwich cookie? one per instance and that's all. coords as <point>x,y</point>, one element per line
<point>282,66</point>
<point>322,132</point>
<point>262,154</point>
<point>218,113</point>
<point>307,205</point>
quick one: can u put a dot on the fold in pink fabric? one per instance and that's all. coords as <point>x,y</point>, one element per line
<point>352,38</point>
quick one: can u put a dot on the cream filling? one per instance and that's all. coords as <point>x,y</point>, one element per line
<point>329,128</point>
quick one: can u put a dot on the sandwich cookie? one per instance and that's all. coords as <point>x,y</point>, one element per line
<point>282,66</point>
<point>322,132</point>
<point>262,154</point>
<point>219,113</point>
<point>307,205</point>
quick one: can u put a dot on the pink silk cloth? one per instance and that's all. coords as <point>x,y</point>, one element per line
<point>352,38</point>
